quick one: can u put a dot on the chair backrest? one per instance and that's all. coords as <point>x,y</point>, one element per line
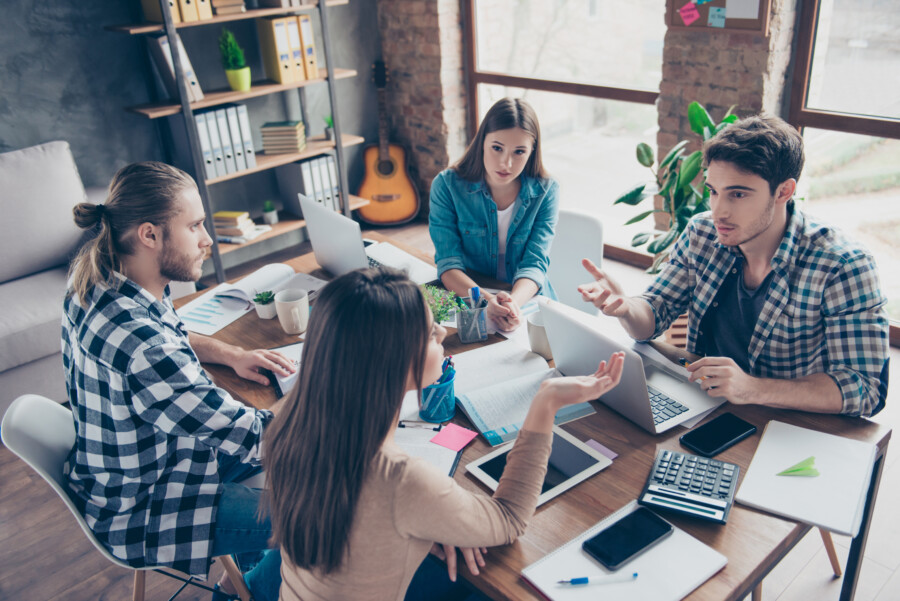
<point>41,433</point>
<point>579,235</point>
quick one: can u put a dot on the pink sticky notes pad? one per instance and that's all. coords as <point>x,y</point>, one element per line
<point>454,437</point>
<point>605,451</point>
<point>689,13</point>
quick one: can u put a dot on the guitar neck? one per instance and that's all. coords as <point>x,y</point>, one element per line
<point>382,126</point>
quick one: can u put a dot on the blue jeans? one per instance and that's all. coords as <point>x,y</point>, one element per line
<point>239,530</point>
<point>431,583</point>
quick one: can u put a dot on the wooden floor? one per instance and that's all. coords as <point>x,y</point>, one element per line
<point>45,556</point>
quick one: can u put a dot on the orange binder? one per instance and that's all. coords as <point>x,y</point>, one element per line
<point>293,31</point>
<point>204,9</point>
<point>276,53</point>
<point>309,47</point>
<point>153,14</point>
<point>188,10</point>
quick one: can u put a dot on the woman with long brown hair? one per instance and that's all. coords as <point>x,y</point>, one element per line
<point>353,514</point>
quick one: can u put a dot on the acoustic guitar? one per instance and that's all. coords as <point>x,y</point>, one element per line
<point>387,184</point>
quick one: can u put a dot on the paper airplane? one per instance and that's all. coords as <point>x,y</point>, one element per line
<point>806,468</point>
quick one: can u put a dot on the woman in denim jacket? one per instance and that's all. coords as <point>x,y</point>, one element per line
<point>495,212</point>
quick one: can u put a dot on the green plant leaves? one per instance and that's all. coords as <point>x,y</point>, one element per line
<point>699,119</point>
<point>644,154</point>
<point>664,241</point>
<point>689,169</point>
<point>632,197</point>
<point>673,154</point>
<point>641,238</point>
<point>641,216</point>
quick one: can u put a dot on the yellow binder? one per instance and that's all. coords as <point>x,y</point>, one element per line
<point>188,10</point>
<point>293,31</point>
<point>309,47</point>
<point>153,14</point>
<point>276,54</point>
<point>204,9</point>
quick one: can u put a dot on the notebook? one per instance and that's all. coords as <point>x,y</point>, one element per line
<point>833,500</point>
<point>666,572</point>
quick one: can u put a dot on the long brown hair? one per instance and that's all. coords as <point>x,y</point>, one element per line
<point>506,113</point>
<point>138,193</point>
<point>368,331</point>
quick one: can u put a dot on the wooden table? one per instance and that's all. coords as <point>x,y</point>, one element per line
<point>753,541</point>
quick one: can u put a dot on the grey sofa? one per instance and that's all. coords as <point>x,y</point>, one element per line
<point>38,188</point>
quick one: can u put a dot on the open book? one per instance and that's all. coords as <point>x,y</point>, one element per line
<point>495,384</point>
<point>274,277</point>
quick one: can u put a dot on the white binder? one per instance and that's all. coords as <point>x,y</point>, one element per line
<point>216,143</point>
<point>246,136</point>
<point>209,162</point>
<point>318,187</point>
<point>227,149</point>
<point>237,143</point>
<point>327,185</point>
<point>335,183</point>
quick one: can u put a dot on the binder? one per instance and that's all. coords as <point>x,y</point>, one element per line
<point>188,10</point>
<point>165,66</point>
<point>293,33</point>
<point>306,177</point>
<point>204,9</point>
<point>246,136</point>
<point>237,144</point>
<point>153,13</point>
<point>190,77</point>
<point>336,184</point>
<point>216,143</point>
<point>308,40</point>
<point>273,40</point>
<point>209,162</point>
<point>327,198</point>
<point>318,188</point>
<point>667,571</point>
<point>227,149</point>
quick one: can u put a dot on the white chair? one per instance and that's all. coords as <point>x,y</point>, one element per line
<point>41,433</point>
<point>579,235</point>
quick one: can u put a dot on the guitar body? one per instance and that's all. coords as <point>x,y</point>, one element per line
<point>387,185</point>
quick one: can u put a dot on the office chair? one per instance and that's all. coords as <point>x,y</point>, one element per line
<point>41,433</point>
<point>579,235</point>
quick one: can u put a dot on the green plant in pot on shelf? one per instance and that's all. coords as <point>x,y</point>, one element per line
<point>674,182</point>
<point>329,127</point>
<point>270,214</point>
<point>236,68</point>
<point>264,303</point>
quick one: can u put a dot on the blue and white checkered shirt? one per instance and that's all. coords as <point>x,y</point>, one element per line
<point>149,423</point>
<point>824,311</point>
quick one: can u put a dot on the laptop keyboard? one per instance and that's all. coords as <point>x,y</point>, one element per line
<point>663,407</point>
<point>373,262</point>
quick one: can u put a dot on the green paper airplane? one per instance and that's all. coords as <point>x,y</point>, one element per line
<point>806,468</point>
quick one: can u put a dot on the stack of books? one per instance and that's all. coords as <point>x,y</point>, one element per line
<point>236,227</point>
<point>280,137</point>
<point>228,7</point>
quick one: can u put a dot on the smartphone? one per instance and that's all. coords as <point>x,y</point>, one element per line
<point>717,435</point>
<point>624,540</point>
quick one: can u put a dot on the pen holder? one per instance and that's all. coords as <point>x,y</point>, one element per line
<point>438,402</point>
<point>471,324</point>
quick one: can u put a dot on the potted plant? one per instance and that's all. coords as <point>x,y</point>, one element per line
<point>442,302</point>
<point>236,68</point>
<point>329,127</point>
<point>264,303</point>
<point>682,197</point>
<point>270,215</point>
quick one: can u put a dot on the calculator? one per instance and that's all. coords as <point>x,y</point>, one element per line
<point>691,485</point>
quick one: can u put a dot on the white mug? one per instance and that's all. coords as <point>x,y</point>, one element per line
<point>537,336</point>
<point>292,307</point>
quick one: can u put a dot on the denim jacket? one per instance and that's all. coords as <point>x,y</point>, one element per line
<point>463,227</point>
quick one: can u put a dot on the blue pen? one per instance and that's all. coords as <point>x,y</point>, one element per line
<point>600,580</point>
<point>475,295</point>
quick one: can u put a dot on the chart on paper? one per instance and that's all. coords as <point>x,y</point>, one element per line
<point>210,313</point>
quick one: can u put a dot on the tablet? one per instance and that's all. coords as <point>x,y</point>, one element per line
<point>571,461</point>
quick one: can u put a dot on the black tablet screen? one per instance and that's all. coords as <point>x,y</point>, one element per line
<point>566,461</point>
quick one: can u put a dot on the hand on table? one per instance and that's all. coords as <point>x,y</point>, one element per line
<point>472,555</point>
<point>578,389</point>
<point>721,377</point>
<point>604,292</point>
<point>248,364</point>
<point>503,309</point>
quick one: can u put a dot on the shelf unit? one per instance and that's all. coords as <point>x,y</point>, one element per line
<point>315,145</point>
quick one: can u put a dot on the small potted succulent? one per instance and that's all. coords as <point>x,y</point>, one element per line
<point>264,302</point>
<point>329,127</point>
<point>270,214</point>
<point>236,68</point>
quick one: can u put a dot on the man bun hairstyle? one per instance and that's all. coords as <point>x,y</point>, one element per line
<point>762,145</point>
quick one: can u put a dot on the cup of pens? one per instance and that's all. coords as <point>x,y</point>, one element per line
<point>471,319</point>
<point>438,401</point>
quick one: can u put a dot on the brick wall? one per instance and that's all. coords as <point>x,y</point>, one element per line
<point>423,50</point>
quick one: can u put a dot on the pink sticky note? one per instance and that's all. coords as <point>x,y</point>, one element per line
<point>603,450</point>
<point>454,437</point>
<point>689,13</point>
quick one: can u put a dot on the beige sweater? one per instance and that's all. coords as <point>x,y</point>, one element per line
<point>406,505</point>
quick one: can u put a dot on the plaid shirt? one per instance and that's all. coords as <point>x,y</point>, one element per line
<point>149,424</point>
<point>824,311</point>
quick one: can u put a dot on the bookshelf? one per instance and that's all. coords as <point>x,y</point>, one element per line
<point>182,105</point>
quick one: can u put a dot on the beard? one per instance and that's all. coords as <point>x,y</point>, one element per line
<point>758,227</point>
<point>177,266</point>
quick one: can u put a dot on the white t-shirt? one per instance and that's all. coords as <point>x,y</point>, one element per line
<point>504,218</point>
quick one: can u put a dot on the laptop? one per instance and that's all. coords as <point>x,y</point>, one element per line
<point>651,394</point>
<point>338,245</point>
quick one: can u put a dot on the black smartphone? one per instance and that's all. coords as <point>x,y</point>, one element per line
<point>717,435</point>
<point>624,540</point>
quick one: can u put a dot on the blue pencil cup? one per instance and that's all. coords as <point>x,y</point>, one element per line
<point>438,402</point>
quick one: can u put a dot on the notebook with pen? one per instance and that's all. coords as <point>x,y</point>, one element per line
<point>669,571</point>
